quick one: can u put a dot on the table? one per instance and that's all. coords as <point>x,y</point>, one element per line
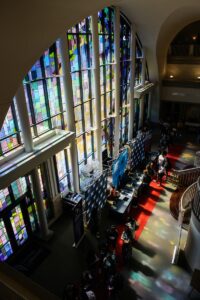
<point>127,194</point>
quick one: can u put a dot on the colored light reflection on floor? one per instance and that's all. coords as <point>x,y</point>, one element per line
<point>140,278</point>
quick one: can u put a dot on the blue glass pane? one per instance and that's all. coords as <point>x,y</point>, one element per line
<point>35,72</point>
<point>73,52</point>
<point>19,187</point>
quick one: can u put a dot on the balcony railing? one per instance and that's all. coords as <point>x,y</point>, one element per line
<point>184,178</point>
<point>187,198</point>
<point>196,202</point>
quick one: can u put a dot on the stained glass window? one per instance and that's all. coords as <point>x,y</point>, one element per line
<point>138,62</point>
<point>19,187</point>
<point>9,133</point>
<point>80,54</point>
<point>18,225</point>
<point>44,93</point>
<point>5,246</point>
<point>106,56</point>
<point>63,163</point>
<point>125,61</point>
<point>5,198</point>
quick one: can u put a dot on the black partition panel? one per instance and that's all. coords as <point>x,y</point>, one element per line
<point>95,195</point>
<point>137,152</point>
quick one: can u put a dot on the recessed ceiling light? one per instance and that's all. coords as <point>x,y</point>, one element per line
<point>194,37</point>
<point>198,77</point>
<point>171,76</point>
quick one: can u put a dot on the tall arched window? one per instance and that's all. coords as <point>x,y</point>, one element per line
<point>106,48</point>
<point>125,61</point>
<point>80,53</point>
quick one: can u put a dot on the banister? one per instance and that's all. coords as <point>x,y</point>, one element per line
<point>186,177</point>
<point>196,202</point>
<point>187,197</point>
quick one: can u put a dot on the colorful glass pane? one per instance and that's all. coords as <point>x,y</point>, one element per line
<point>84,51</point>
<point>9,143</point>
<point>5,246</point>
<point>56,122</point>
<point>42,127</point>
<point>108,78</point>
<point>59,67</point>
<point>85,84</point>
<point>76,88</point>
<point>102,79</point>
<point>18,225</point>
<point>5,199</point>
<point>19,187</point>
<point>87,115</point>
<point>52,89</point>
<point>8,127</point>
<point>73,52</point>
<point>88,143</point>
<point>61,164</point>
<point>49,61</point>
<point>36,72</point>
<point>78,119</point>
<point>38,99</point>
<point>101,50</point>
<point>80,147</point>
<point>108,49</point>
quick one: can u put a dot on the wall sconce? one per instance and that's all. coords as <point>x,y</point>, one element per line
<point>171,76</point>
<point>198,77</point>
<point>194,37</point>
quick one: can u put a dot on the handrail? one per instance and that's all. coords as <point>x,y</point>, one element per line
<point>185,177</point>
<point>187,197</point>
<point>196,202</point>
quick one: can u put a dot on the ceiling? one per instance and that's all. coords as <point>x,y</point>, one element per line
<point>28,29</point>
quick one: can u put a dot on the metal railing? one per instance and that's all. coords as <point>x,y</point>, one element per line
<point>196,201</point>
<point>184,178</point>
<point>187,198</point>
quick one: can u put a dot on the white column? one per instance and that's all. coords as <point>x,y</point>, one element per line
<point>29,147</point>
<point>149,105</point>
<point>117,79</point>
<point>24,119</point>
<point>192,247</point>
<point>96,72</point>
<point>132,84</point>
<point>143,66</point>
<point>44,231</point>
<point>141,115</point>
<point>68,95</point>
